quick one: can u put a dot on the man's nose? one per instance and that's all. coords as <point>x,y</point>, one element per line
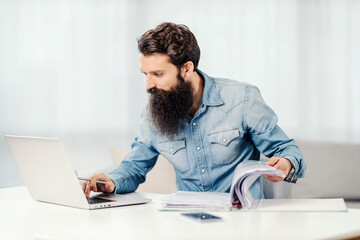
<point>149,82</point>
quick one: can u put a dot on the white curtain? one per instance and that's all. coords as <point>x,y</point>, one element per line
<point>70,68</point>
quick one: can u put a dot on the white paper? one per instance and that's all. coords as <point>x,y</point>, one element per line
<point>245,175</point>
<point>302,205</point>
<point>196,201</point>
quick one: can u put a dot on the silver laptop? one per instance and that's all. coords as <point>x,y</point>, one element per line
<point>49,176</point>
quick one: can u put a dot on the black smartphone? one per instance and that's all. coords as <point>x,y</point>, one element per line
<point>202,216</point>
<point>100,185</point>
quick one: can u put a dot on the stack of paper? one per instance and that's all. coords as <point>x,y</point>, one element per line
<point>245,175</point>
<point>210,201</point>
<point>240,196</point>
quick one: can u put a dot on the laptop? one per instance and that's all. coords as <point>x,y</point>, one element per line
<point>49,176</point>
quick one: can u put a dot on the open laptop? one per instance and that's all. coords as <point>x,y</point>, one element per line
<point>49,176</point>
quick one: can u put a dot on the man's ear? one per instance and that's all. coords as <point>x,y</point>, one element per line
<point>187,69</point>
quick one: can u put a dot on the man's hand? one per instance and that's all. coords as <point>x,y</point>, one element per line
<point>282,164</point>
<point>89,186</point>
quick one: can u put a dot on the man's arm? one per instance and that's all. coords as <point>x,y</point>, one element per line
<point>268,137</point>
<point>134,167</point>
<point>129,174</point>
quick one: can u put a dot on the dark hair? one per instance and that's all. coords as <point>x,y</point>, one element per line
<point>174,40</point>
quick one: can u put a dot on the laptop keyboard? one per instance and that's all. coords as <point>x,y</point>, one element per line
<point>98,200</point>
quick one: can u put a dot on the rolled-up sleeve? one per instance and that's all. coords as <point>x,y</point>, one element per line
<point>268,137</point>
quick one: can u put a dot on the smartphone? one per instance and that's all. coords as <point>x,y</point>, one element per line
<point>202,217</point>
<point>100,185</point>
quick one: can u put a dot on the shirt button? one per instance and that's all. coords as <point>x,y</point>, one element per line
<point>198,148</point>
<point>194,124</point>
<point>224,139</point>
<point>171,149</point>
<point>202,170</point>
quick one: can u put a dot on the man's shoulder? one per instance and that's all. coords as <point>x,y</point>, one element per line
<point>232,92</point>
<point>226,82</point>
<point>228,85</point>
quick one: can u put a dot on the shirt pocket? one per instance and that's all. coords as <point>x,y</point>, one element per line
<point>225,146</point>
<point>175,153</point>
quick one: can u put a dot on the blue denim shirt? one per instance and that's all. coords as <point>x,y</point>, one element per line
<point>233,124</point>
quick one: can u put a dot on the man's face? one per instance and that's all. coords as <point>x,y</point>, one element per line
<point>159,71</point>
<point>171,97</point>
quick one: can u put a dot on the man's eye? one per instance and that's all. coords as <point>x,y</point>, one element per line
<point>158,74</point>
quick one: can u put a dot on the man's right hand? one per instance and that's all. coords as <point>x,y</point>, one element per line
<point>89,186</point>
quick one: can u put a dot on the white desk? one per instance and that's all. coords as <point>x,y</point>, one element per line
<point>23,218</point>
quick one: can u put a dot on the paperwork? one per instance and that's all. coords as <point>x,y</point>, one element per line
<point>240,198</point>
<point>203,201</point>
<point>245,175</point>
<point>301,205</point>
<point>196,201</point>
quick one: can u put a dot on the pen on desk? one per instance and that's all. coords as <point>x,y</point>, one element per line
<point>87,179</point>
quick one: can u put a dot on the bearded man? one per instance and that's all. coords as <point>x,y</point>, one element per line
<point>203,126</point>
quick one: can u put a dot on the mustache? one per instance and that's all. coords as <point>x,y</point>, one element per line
<point>165,96</point>
<point>155,90</point>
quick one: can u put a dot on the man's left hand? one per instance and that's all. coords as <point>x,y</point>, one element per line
<point>282,164</point>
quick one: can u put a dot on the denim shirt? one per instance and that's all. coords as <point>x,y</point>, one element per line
<point>233,124</point>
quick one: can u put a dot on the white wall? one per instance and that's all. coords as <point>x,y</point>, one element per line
<point>69,69</point>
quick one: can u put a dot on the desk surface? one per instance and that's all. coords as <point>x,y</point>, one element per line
<point>23,218</point>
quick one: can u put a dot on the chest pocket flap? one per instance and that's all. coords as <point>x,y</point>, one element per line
<point>175,153</point>
<point>172,147</point>
<point>225,146</point>
<point>224,138</point>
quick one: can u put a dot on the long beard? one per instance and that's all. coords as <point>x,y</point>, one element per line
<point>169,109</point>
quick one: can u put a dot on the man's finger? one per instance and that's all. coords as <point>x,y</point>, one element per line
<point>266,176</point>
<point>273,178</point>
<point>109,186</point>
<point>87,190</point>
<point>93,180</point>
<point>83,186</point>
<point>272,161</point>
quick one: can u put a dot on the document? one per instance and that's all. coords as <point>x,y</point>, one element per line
<point>196,201</point>
<point>245,175</point>
<point>301,205</point>
<point>240,198</point>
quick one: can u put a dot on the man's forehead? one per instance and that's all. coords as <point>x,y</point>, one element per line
<point>159,56</point>
<point>155,62</point>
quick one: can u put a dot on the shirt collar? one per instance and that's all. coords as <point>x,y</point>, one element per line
<point>211,96</point>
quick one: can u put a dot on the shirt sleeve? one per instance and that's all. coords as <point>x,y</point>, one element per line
<point>268,137</point>
<point>137,163</point>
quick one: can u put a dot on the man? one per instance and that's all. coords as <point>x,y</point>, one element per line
<point>203,126</point>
